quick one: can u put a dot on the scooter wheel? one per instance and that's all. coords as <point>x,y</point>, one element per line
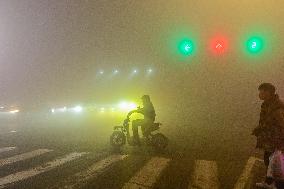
<point>117,139</point>
<point>159,141</point>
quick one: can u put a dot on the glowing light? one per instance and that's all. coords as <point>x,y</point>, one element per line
<point>219,45</point>
<point>186,47</point>
<point>127,106</point>
<point>78,109</point>
<point>101,72</point>
<point>150,70</point>
<point>115,71</point>
<point>122,105</point>
<point>255,45</point>
<point>132,106</point>
<point>64,109</point>
<point>54,110</point>
<point>135,71</point>
<point>14,111</point>
<point>102,110</point>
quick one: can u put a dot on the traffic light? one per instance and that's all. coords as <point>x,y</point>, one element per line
<point>219,45</point>
<point>254,45</point>
<point>186,47</point>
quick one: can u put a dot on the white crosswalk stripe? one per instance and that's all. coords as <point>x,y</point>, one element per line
<point>247,174</point>
<point>148,175</point>
<point>6,149</point>
<point>93,171</point>
<point>22,175</point>
<point>205,175</point>
<point>23,156</point>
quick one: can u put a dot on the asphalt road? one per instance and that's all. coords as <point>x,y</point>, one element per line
<point>78,146</point>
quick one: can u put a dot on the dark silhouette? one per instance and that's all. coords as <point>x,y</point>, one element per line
<point>149,118</point>
<point>270,131</point>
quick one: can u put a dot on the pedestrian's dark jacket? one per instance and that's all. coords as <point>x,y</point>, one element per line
<point>270,131</point>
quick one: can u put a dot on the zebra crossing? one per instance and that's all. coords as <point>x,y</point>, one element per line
<point>7,149</point>
<point>22,175</point>
<point>148,175</point>
<point>246,179</point>
<point>204,174</point>
<point>93,171</point>
<point>22,157</point>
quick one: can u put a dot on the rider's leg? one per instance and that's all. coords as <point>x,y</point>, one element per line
<point>147,127</point>
<point>135,125</point>
<point>145,130</point>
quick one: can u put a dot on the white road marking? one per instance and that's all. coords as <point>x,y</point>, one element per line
<point>205,175</point>
<point>6,149</point>
<point>148,175</point>
<point>246,175</point>
<point>19,176</point>
<point>93,171</point>
<point>23,156</point>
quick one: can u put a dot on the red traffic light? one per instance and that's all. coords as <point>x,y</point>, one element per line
<point>219,45</point>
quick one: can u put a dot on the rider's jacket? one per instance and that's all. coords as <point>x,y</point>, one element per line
<point>148,111</point>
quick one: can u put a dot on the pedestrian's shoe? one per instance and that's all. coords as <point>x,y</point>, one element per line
<point>264,185</point>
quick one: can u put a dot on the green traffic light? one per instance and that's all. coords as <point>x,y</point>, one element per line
<point>186,47</point>
<point>255,45</point>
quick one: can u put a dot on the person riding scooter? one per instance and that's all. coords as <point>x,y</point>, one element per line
<point>149,118</point>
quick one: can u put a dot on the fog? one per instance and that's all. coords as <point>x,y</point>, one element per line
<point>51,53</point>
